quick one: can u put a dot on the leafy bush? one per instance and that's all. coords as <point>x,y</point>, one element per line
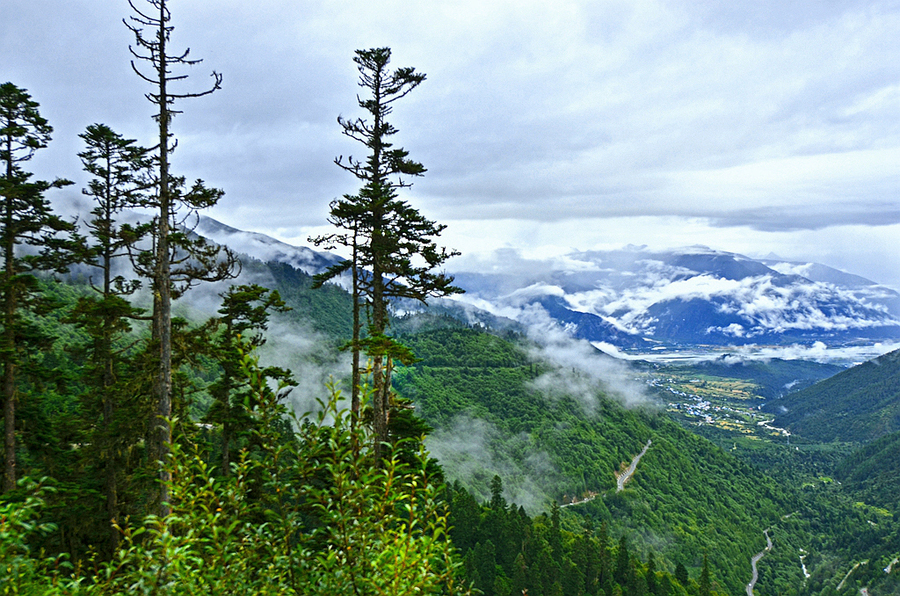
<point>21,572</point>
<point>304,512</point>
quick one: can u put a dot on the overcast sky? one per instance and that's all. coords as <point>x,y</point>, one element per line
<point>749,126</point>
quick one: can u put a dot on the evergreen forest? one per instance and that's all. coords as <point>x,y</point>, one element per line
<point>168,429</point>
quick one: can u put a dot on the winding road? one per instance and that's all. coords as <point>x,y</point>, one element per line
<point>840,586</point>
<point>626,475</point>
<point>755,559</point>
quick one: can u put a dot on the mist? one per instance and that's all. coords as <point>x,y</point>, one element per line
<point>314,363</point>
<point>472,450</point>
<point>582,372</point>
<point>290,343</point>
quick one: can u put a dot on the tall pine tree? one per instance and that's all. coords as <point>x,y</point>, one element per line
<point>26,219</point>
<point>177,259</point>
<point>393,251</point>
<point>119,170</point>
<point>245,313</point>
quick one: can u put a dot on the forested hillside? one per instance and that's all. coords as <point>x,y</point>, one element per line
<point>687,499</point>
<point>858,405</point>
<point>874,471</point>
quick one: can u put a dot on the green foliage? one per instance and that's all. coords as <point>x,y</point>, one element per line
<point>244,317</point>
<point>26,220</point>
<point>326,309</point>
<point>304,513</point>
<point>857,405</point>
<point>687,497</point>
<point>23,571</point>
<point>506,551</point>
<point>873,472</point>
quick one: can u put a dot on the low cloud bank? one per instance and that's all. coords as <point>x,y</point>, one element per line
<point>582,371</point>
<point>472,450</point>
<point>815,352</point>
<point>311,359</point>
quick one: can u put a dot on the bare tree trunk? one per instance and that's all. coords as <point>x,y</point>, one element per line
<point>163,383</point>
<point>380,380</point>
<point>112,458</point>
<point>155,52</point>
<point>226,445</point>
<point>109,375</point>
<point>9,427</point>
<point>162,303</point>
<point>9,345</point>
<point>379,420</point>
<point>355,372</point>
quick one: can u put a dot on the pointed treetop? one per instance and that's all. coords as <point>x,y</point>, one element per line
<point>22,129</point>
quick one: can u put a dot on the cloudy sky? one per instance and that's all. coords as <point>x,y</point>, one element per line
<point>753,127</point>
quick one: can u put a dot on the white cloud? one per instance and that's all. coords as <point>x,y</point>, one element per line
<point>582,372</point>
<point>472,450</point>
<point>568,123</point>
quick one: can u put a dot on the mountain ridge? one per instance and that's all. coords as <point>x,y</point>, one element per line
<point>696,296</point>
<point>859,404</point>
<point>636,298</point>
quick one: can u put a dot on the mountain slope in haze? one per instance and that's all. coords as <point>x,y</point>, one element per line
<point>265,248</point>
<point>553,433</point>
<point>859,404</point>
<point>691,296</point>
<point>635,298</point>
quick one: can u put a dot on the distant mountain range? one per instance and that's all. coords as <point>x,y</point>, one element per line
<point>635,298</point>
<point>265,248</point>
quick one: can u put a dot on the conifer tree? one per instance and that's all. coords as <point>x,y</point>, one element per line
<point>605,571</point>
<point>26,219</point>
<point>344,215</point>
<point>177,259</point>
<point>519,579</point>
<point>681,574</point>
<point>705,587</point>
<point>623,561</point>
<point>497,501</point>
<point>394,254</point>
<point>120,179</point>
<point>245,313</point>
<point>555,535</point>
<point>652,583</point>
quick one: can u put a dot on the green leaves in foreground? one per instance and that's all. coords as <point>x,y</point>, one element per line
<point>301,513</point>
<point>21,572</point>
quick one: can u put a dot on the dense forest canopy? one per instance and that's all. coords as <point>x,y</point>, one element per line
<point>150,445</point>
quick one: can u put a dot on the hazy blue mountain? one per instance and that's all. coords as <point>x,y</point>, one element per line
<point>692,296</point>
<point>265,248</point>
<point>634,297</point>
